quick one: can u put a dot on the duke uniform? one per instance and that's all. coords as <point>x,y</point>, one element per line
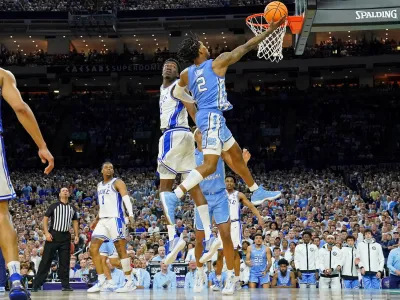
<point>349,269</point>
<point>111,226</point>
<point>176,145</point>
<point>305,260</point>
<point>236,225</point>
<point>329,259</point>
<point>372,260</point>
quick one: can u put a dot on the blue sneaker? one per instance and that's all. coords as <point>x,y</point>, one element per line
<point>18,292</point>
<point>260,195</point>
<point>169,202</point>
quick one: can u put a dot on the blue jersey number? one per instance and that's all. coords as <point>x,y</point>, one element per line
<point>201,82</point>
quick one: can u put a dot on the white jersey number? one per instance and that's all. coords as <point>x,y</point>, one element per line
<point>201,82</point>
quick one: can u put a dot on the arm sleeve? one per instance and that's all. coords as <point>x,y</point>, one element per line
<point>179,94</point>
<point>128,205</point>
<point>50,211</point>
<point>173,281</point>
<point>146,280</point>
<point>390,263</point>
<point>156,284</point>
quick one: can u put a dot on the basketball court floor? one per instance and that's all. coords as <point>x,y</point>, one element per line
<point>256,294</point>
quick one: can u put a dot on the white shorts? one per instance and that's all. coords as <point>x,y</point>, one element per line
<point>110,229</point>
<point>6,188</point>
<point>236,235</point>
<point>176,153</point>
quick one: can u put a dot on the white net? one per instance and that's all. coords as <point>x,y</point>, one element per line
<point>271,48</point>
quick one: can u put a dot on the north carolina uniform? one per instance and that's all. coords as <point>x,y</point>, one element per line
<point>259,264</point>
<point>176,145</point>
<point>208,90</point>
<point>108,249</point>
<point>213,188</point>
<point>236,226</point>
<point>111,226</point>
<point>7,191</point>
<point>283,280</point>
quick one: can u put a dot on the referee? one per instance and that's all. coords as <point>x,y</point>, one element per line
<point>58,238</point>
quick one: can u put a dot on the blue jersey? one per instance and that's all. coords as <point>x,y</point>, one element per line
<point>214,183</point>
<point>283,280</point>
<point>207,88</point>
<point>259,260</point>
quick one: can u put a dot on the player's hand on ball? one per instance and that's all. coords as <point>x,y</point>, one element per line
<point>275,25</point>
<point>46,156</point>
<point>246,155</point>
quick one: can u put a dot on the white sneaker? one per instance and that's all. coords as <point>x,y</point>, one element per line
<point>128,287</point>
<point>238,286</point>
<point>96,288</point>
<point>229,288</point>
<point>199,282</point>
<point>171,257</point>
<point>217,286</point>
<point>2,289</point>
<point>108,287</point>
<point>215,245</point>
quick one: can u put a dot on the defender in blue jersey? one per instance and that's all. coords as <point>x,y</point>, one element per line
<point>258,258</point>
<point>283,278</point>
<point>205,79</point>
<point>213,188</point>
<point>8,236</point>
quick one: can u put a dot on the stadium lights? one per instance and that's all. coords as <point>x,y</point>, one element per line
<point>141,48</point>
<point>102,41</point>
<point>137,40</point>
<point>18,46</point>
<point>204,33</point>
<point>387,29</point>
<point>222,33</point>
<point>349,31</point>
<point>11,36</point>
<point>56,91</point>
<point>223,37</point>
<point>152,35</point>
<point>30,37</point>
<point>134,35</point>
<point>140,83</point>
<point>81,36</point>
<point>84,41</point>
<point>15,41</point>
<point>205,38</point>
<point>99,35</point>
<point>87,46</point>
<point>157,44</point>
<point>155,39</point>
<point>329,32</point>
<point>33,41</point>
<point>139,44</point>
<point>105,45</point>
<point>64,36</point>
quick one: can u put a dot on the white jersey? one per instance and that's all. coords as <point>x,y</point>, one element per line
<point>110,201</point>
<point>172,112</point>
<point>234,206</point>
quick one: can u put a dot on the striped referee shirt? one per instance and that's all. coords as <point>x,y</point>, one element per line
<point>61,216</point>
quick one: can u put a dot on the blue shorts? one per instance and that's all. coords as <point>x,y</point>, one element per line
<point>218,208</point>
<point>260,280</point>
<point>108,249</point>
<point>216,135</point>
<point>351,284</point>
<point>308,278</point>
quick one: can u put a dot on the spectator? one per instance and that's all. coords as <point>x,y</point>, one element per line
<point>165,279</point>
<point>191,275</point>
<point>141,277</point>
<point>161,254</point>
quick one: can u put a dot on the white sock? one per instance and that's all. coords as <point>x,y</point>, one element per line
<point>200,269</point>
<point>236,278</point>
<point>253,187</point>
<point>128,278</point>
<point>171,232</point>
<point>219,277</point>
<point>229,273</point>
<point>205,219</point>
<point>14,267</point>
<point>110,281</point>
<point>126,265</point>
<point>193,179</point>
<point>101,278</point>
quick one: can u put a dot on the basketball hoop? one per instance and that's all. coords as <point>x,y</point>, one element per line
<point>271,48</point>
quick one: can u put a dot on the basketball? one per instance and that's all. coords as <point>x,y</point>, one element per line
<point>275,11</point>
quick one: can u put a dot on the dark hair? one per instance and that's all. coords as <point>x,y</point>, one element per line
<point>283,261</point>
<point>306,233</point>
<point>231,176</point>
<point>350,237</point>
<point>178,66</point>
<point>258,234</point>
<point>189,49</point>
<point>367,230</point>
<point>106,163</point>
<point>276,248</point>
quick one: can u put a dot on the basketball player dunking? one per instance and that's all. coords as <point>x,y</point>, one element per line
<point>236,198</point>
<point>8,236</point>
<point>205,79</point>
<point>110,226</point>
<point>176,156</point>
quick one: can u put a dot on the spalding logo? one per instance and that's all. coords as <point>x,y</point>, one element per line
<point>385,14</point>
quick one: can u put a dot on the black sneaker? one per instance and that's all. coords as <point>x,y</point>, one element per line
<point>34,290</point>
<point>67,289</point>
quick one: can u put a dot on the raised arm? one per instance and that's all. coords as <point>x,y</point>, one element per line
<point>25,116</point>
<point>224,60</point>
<point>179,92</point>
<point>253,209</point>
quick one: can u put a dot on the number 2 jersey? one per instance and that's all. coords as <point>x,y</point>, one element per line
<point>207,88</point>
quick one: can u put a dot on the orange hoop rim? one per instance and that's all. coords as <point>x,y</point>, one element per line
<point>294,22</point>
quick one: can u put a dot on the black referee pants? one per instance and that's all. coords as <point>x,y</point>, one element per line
<point>63,246</point>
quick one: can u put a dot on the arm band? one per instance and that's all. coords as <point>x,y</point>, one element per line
<point>179,94</point>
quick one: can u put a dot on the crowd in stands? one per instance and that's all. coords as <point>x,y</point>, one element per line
<point>331,48</point>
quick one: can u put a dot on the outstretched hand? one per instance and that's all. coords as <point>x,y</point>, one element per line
<point>275,25</point>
